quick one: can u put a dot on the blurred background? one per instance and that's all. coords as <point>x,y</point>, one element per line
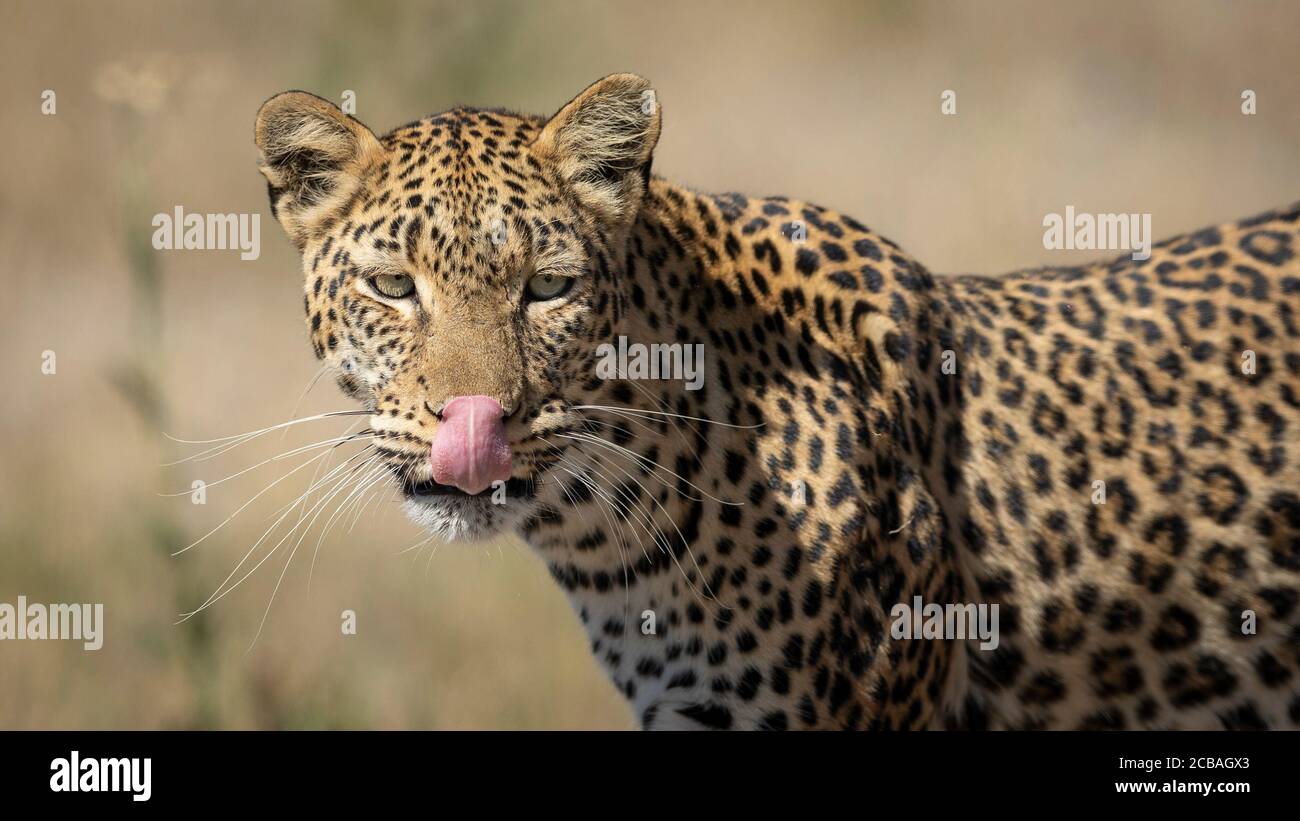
<point>1106,106</point>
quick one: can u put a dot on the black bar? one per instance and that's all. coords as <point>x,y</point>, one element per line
<point>192,770</point>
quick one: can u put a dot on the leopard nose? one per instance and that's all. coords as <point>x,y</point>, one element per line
<point>470,450</point>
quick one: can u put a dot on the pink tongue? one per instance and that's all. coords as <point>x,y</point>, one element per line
<point>470,450</point>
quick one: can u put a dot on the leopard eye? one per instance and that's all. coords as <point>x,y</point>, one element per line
<point>544,287</point>
<point>393,286</point>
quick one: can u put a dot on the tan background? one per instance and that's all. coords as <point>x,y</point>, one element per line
<point>1111,106</point>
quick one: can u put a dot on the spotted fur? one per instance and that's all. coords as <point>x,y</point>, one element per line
<point>824,373</point>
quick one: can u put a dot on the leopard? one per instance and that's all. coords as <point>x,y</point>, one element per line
<point>1106,456</point>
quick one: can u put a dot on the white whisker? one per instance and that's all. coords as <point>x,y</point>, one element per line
<point>641,411</point>
<point>221,590</point>
<point>286,455</point>
<point>231,442</point>
<point>596,440</point>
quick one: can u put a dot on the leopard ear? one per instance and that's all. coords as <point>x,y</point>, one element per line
<point>313,158</point>
<point>601,143</point>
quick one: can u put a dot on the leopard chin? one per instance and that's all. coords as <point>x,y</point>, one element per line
<point>454,516</point>
<point>466,519</point>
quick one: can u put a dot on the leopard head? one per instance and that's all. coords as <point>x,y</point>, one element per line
<point>460,274</point>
